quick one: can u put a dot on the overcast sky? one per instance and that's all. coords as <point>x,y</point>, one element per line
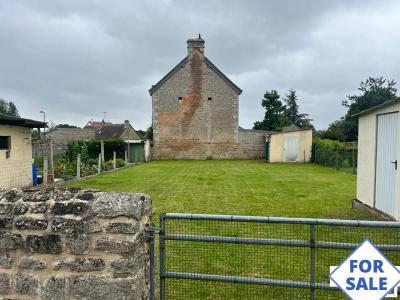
<point>75,59</point>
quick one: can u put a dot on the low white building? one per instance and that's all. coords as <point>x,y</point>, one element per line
<point>16,151</point>
<point>378,179</point>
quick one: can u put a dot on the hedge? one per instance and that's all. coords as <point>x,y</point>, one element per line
<point>90,149</point>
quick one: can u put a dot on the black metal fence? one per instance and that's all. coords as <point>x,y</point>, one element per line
<point>339,159</point>
<point>241,257</point>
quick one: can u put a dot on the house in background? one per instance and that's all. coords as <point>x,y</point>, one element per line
<point>96,124</point>
<point>378,173</point>
<point>16,151</point>
<point>60,137</point>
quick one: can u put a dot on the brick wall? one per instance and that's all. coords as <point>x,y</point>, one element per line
<point>73,244</point>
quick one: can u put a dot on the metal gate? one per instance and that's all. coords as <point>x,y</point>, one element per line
<point>242,257</point>
<point>386,162</point>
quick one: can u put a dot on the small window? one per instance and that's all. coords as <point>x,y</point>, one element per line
<point>5,142</point>
<point>209,98</point>
<point>179,98</point>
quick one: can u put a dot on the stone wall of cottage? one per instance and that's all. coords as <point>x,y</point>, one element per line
<point>67,243</point>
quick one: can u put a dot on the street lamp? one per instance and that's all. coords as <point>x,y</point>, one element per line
<point>44,119</point>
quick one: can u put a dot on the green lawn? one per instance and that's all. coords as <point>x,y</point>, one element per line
<point>242,187</point>
<point>246,188</point>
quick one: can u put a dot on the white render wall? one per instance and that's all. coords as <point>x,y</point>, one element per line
<point>366,158</point>
<point>16,171</point>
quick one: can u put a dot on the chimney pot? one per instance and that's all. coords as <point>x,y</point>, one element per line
<point>195,44</point>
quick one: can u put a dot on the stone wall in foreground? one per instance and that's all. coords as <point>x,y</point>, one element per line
<point>60,243</point>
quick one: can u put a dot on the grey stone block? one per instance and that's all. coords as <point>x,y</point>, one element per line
<point>87,264</point>
<point>5,208</point>
<point>26,284</point>
<point>75,226</point>
<point>129,265</point>
<point>6,222</point>
<point>13,195</point>
<point>56,288</point>
<point>10,241</point>
<point>39,208</point>
<point>111,205</point>
<point>20,208</point>
<point>5,261</point>
<point>70,208</point>
<point>93,287</point>
<point>31,263</point>
<point>87,196</point>
<point>116,246</point>
<point>31,224</point>
<point>50,244</point>
<point>123,228</point>
<point>77,244</point>
<point>5,283</point>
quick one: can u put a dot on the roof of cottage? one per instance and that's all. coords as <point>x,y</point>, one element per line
<point>182,63</point>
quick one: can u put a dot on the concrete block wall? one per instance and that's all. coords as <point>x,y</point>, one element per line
<point>66,243</point>
<point>252,143</point>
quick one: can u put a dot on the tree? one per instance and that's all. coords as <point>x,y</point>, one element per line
<point>65,126</point>
<point>292,111</point>
<point>334,132</point>
<point>8,108</point>
<point>149,133</point>
<point>374,91</point>
<point>274,118</point>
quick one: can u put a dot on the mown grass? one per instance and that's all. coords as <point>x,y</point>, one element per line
<point>252,188</point>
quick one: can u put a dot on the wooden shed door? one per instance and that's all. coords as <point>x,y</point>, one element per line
<point>136,152</point>
<point>385,170</point>
<point>291,149</point>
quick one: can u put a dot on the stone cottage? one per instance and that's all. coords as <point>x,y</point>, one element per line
<point>196,113</point>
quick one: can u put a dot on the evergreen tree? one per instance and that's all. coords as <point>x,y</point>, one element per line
<point>274,118</point>
<point>8,108</point>
<point>292,111</point>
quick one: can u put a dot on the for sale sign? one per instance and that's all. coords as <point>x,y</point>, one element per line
<point>366,274</point>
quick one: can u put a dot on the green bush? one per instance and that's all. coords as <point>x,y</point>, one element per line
<point>120,163</point>
<point>90,149</point>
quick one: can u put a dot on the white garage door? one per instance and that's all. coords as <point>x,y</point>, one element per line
<point>386,163</point>
<point>291,149</point>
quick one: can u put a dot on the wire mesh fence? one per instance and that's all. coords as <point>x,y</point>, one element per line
<point>339,159</point>
<point>237,257</point>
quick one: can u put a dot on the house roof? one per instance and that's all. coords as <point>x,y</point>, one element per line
<point>183,63</point>
<point>17,121</point>
<point>378,107</point>
<point>111,131</point>
<point>96,124</point>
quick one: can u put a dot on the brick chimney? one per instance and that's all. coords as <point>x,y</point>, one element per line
<point>126,123</point>
<point>195,45</point>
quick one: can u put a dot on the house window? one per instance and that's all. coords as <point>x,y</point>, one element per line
<point>209,98</point>
<point>5,142</point>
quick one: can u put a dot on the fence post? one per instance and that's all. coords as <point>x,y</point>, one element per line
<point>312,262</point>
<point>99,164</point>
<point>78,166</point>
<point>151,233</point>
<point>51,160</point>
<point>45,169</point>
<point>162,258</point>
<point>102,152</point>
<point>114,159</point>
<point>353,161</point>
<point>337,158</point>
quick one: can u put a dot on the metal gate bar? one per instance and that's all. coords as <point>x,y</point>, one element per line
<point>311,243</point>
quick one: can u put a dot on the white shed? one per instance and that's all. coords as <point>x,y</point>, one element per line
<point>378,179</point>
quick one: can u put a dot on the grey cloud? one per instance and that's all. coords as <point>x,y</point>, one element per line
<point>76,59</point>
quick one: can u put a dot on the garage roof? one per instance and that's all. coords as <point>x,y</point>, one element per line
<point>378,107</point>
<point>17,121</point>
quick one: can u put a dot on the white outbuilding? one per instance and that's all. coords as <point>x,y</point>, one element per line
<point>378,174</point>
